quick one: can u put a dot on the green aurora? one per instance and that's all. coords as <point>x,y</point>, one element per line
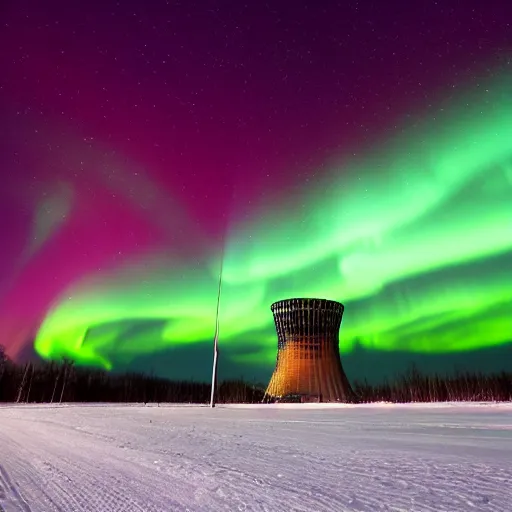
<point>414,236</point>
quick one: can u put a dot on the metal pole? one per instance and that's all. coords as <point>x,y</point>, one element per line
<point>216,340</point>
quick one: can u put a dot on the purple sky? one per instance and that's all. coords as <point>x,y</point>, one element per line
<point>214,104</point>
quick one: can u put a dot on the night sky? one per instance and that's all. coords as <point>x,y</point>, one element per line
<point>356,151</point>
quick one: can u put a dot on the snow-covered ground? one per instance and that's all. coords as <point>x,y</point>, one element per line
<point>275,458</point>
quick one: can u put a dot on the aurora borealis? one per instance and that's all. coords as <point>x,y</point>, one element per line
<point>379,176</point>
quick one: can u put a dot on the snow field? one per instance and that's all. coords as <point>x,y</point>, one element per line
<point>447,457</point>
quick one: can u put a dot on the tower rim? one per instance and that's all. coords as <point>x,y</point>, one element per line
<point>326,302</point>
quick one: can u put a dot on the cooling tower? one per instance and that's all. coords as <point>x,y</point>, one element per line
<point>308,359</point>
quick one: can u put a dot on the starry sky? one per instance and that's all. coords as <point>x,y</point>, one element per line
<point>356,151</point>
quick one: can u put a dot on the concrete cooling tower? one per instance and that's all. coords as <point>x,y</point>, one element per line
<point>308,364</point>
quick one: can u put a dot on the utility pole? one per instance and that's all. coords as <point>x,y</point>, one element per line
<point>216,340</point>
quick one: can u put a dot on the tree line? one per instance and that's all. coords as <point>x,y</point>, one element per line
<point>57,382</point>
<point>460,387</point>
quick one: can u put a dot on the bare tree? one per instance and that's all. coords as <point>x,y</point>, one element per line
<point>23,381</point>
<point>3,360</point>
<point>67,365</point>
<point>27,399</point>
<point>55,385</point>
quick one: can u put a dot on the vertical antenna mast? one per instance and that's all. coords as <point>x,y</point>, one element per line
<point>216,339</point>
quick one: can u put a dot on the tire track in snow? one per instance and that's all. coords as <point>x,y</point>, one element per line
<point>10,497</point>
<point>68,485</point>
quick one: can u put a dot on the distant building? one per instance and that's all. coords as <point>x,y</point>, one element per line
<point>308,366</point>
